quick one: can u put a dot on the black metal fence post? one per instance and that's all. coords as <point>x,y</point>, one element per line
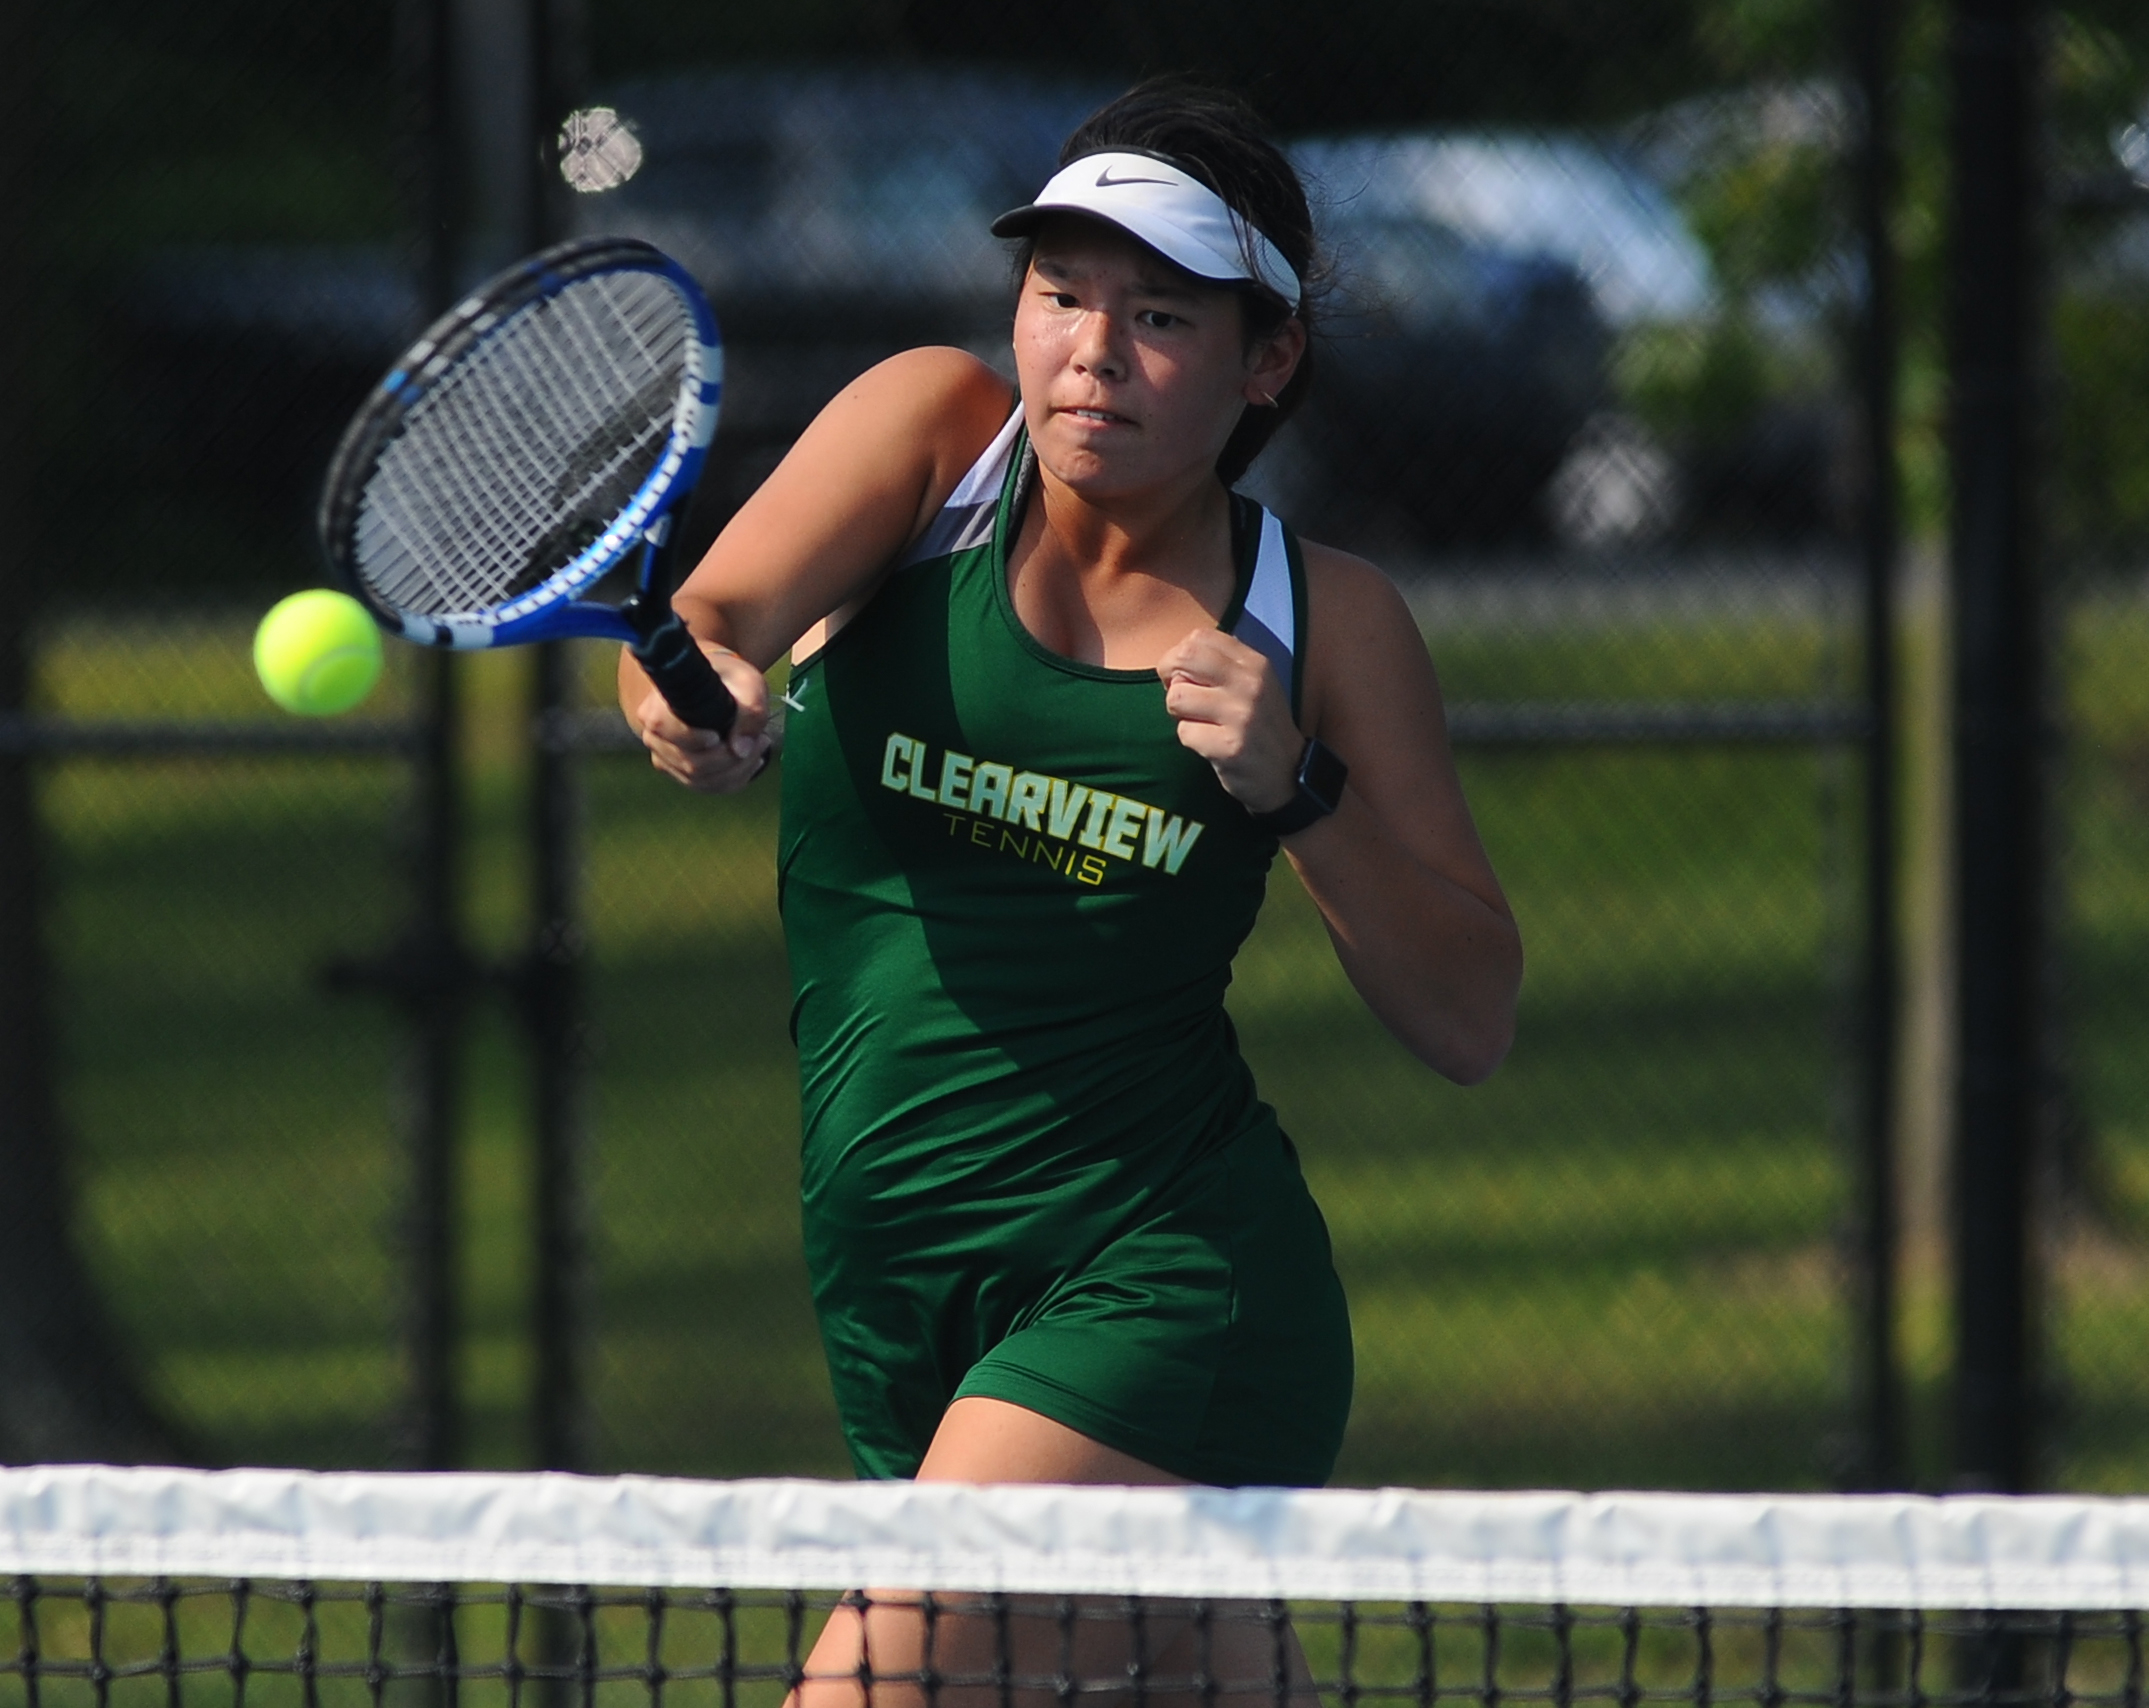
<point>1997,53</point>
<point>65,1390</point>
<point>433,972</point>
<point>1875,31</point>
<point>437,978</point>
<point>479,195</point>
<point>552,1016</point>
<point>552,1006</point>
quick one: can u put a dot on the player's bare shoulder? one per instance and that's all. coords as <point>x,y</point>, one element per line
<point>1362,639</point>
<point>1343,585</point>
<point>933,376</point>
<point>937,397</point>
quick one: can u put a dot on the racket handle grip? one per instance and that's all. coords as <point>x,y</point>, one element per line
<point>684,676</point>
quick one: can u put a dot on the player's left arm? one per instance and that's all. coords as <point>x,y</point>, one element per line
<point>1402,881</point>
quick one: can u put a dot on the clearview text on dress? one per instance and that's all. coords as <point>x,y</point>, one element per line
<point>1071,828</point>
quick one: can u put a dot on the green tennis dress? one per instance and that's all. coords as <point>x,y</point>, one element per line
<point>1035,1167</point>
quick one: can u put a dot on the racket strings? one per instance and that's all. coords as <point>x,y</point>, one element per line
<point>557,386</point>
<point>448,497</point>
<point>547,384</point>
<point>527,449</point>
<point>462,515</point>
<point>621,440</point>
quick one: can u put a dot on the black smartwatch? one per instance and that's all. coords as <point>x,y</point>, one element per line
<point>1320,792</point>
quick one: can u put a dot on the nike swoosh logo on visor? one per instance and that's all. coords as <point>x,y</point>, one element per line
<point>1105,180</point>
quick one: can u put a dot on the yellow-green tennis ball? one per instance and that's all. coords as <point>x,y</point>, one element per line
<point>318,652</point>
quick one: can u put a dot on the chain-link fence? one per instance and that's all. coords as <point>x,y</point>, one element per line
<point>2098,522</point>
<point>418,1085</point>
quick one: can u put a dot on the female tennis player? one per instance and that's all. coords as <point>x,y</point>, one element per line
<point>1057,696</point>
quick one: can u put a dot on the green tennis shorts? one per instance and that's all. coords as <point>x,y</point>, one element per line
<point>1204,1333</point>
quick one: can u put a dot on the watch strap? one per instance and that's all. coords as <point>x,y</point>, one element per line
<point>1320,791</point>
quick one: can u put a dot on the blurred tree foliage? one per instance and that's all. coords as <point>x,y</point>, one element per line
<point>2100,484</point>
<point>1766,193</point>
<point>2099,490</point>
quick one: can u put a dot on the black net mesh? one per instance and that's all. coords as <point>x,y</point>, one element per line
<point>82,1641</point>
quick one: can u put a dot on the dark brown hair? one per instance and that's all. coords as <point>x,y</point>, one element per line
<point>1217,137</point>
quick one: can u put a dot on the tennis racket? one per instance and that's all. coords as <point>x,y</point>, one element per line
<point>540,436</point>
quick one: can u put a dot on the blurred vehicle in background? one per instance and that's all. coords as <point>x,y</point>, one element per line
<point>1585,287</point>
<point>838,216</point>
<point>1555,197</point>
<point>1487,287</point>
<point>1480,283</point>
<point>1644,335</point>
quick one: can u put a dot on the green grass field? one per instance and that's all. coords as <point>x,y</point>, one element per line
<point>1615,1264</point>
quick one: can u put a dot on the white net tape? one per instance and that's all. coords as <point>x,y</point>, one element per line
<point>1637,1550</point>
<point>527,449</point>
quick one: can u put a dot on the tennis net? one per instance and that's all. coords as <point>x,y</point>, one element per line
<point>162,1586</point>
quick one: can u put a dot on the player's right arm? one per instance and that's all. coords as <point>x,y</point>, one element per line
<point>864,480</point>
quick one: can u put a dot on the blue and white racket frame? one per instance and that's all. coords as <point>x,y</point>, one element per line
<point>647,524</point>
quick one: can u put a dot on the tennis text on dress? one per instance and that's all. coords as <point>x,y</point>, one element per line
<point>1070,827</point>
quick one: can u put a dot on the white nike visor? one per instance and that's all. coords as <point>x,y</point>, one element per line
<point>1169,209</point>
